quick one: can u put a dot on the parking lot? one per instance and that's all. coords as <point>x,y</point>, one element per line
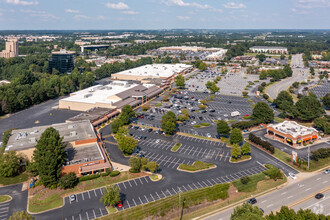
<point>321,90</point>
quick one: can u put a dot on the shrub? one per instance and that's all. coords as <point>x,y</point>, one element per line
<point>245,179</point>
<point>88,177</point>
<point>265,96</point>
<point>320,153</point>
<point>134,171</point>
<point>204,124</point>
<point>68,181</point>
<point>114,173</point>
<point>245,124</point>
<point>264,144</point>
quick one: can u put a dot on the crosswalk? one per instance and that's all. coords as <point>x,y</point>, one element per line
<point>4,210</point>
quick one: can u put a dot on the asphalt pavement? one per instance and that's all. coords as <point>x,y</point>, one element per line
<point>285,196</point>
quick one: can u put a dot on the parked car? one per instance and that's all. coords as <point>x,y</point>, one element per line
<point>211,110</point>
<point>319,196</point>
<point>72,198</point>
<point>120,205</point>
<point>208,135</point>
<point>292,176</point>
<point>150,130</point>
<point>326,171</point>
<point>252,201</point>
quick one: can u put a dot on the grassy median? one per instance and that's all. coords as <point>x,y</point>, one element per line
<point>4,198</point>
<point>251,185</point>
<point>176,147</point>
<point>196,166</point>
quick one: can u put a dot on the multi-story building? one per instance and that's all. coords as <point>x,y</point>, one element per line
<point>11,49</point>
<point>266,49</point>
<point>62,61</point>
<point>292,133</point>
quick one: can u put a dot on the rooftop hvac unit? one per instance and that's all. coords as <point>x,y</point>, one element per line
<point>109,88</point>
<point>73,133</point>
<point>70,126</point>
<point>32,140</point>
<point>87,96</point>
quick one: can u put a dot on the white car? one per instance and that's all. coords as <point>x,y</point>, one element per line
<point>143,128</point>
<point>292,176</point>
<point>225,115</point>
<point>327,171</point>
<point>194,122</point>
<point>157,141</point>
<point>208,135</point>
<point>72,198</point>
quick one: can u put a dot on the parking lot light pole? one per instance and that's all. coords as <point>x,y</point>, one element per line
<point>308,156</point>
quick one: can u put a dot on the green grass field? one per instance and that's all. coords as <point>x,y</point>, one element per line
<point>196,166</point>
<point>4,198</point>
<point>251,185</point>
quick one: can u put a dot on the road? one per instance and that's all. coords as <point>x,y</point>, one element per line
<point>318,206</point>
<point>296,191</point>
<point>299,74</point>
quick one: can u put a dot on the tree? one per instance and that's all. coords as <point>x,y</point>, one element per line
<point>326,100</point>
<point>246,149</point>
<point>144,163</point>
<point>111,195</point>
<point>126,143</point>
<point>235,151</point>
<point>68,181</point>
<point>312,71</point>
<point>21,215</point>
<point>236,136</point>
<point>127,112</point>
<point>282,57</point>
<point>286,213</point>
<point>322,124</point>
<point>168,123</point>
<point>179,81</point>
<point>202,66</point>
<point>223,127</point>
<point>263,113</point>
<point>244,179</point>
<point>247,212</point>
<point>10,164</point>
<point>49,156</point>
<point>263,75</point>
<point>153,166</point>
<point>284,101</point>
<point>309,108</point>
<point>212,87</point>
<point>261,57</point>
<point>135,163</point>
<point>116,124</point>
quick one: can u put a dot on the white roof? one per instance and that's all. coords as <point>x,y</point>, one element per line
<point>156,70</point>
<point>99,93</point>
<point>293,128</point>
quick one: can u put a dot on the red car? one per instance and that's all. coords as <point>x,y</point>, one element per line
<point>142,116</point>
<point>120,205</point>
<point>246,115</point>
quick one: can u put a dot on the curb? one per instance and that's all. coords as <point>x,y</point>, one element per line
<point>187,171</point>
<point>241,160</point>
<point>10,198</point>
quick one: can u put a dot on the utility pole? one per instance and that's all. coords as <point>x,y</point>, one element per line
<point>179,200</point>
<point>308,156</point>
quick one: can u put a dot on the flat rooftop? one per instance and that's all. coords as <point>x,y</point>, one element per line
<point>100,93</point>
<point>83,153</point>
<point>293,128</point>
<point>156,70</point>
<point>23,139</point>
<point>268,47</point>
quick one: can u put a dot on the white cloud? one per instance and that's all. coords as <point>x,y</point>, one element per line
<point>185,18</point>
<point>216,10</point>
<point>81,17</point>
<point>298,11</point>
<point>307,4</point>
<point>32,11</point>
<point>185,4</point>
<point>234,5</point>
<point>130,12</point>
<point>117,6</point>
<point>45,16</point>
<point>72,11</point>
<point>20,2</point>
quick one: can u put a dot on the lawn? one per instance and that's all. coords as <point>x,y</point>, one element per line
<point>13,180</point>
<point>313,165</point>
<point>165,206</point>
<point>196,166</point>
<point>176,147</point>
<point>4,198</point>
<point>251,185</point>
<point>54,198</point>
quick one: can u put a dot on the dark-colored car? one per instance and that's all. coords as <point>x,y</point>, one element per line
<point>319,196</point>
<point>150,130</point>
<point>200,118</point>
<point>204,111</point>
<point>211,110</point>
<point>252,201</point>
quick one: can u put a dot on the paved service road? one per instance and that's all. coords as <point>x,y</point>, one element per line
<point>18,203</point>
<point>299,74</point>
<point>285,196</point>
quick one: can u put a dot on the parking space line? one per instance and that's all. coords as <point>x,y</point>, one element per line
<point>101,212</point>
<point>146,179</point>
<point>190,187</point>
<point>117,185</point>
<point>210,182</point>
<point>134,202</point>
<point>163,193</point>
<point>135,182</point>
<point>174,190</point>
<point>152,197</point>
<point>140,180</point>
<point>128,204</point>
<point>200,184</point>
<point>140,200</point>
<point>95,193</point>
<point>158,195</point>
<point>129,182</point>
<point>86,215</point>
<point>82,195</point>
<point>94,213</point>
<point>146,198</point>
<point>80,216</point>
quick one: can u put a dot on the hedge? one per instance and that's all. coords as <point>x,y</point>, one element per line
<point>133,171</point>
<point>264,144</point>
<point>320,153</point>
<point>114,173</point>
<point>88,177</point>
<point>245,124</point>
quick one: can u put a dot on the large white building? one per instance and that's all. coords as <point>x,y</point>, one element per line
<point>266,49</point>
<point>165,72</point>
<point>11,49</point>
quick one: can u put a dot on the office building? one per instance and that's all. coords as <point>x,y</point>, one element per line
<point>11,49</point>
<point>62,61</point>
<point>265,49</point>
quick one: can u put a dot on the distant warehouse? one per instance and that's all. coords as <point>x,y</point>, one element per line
<point>164,72</point>
<point>292,133</point>
<point>266,49</point>
<point>112,96</point>
<point>84,154</point>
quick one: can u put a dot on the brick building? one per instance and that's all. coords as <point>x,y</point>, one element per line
<point>292,133</point>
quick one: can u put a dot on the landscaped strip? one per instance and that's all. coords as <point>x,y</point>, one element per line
<point>51,199</point>
<point>241,159</point>
<point>196,166</point>
<point>4,198</point>
<point>176,147</point>
<point>164,206</point>
<point>13,180</point>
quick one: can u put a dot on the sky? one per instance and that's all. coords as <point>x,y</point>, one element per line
<point>163,14</point>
